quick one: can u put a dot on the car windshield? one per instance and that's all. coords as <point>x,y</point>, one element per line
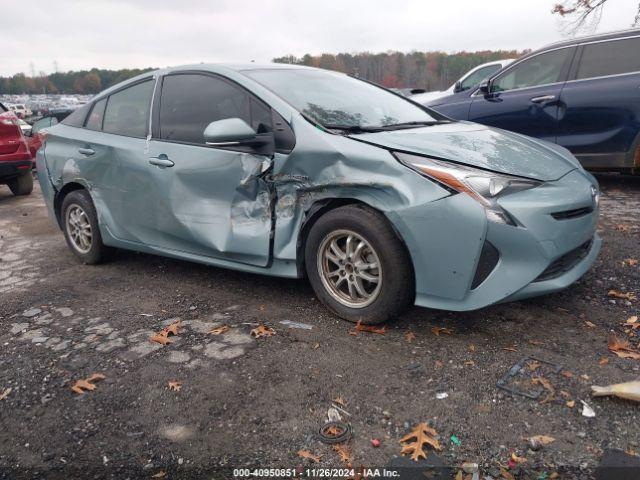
<point>336,100</point>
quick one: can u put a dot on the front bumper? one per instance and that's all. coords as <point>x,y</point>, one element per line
<point>447,240</point>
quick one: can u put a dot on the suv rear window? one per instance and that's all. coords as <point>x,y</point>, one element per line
<point>609,58</point>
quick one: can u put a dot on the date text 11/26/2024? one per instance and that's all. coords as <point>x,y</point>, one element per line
<point>300,472</point>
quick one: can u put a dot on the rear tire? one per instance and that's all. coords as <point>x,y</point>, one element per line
<point>22,184</point>
<point>80,227</point>
<point>357,265</point>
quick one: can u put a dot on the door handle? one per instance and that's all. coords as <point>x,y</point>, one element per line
<point>543,99</point>
<point>86,151</point>
<point>161,161</point>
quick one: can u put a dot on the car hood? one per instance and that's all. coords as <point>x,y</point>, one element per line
<point>479,146</point>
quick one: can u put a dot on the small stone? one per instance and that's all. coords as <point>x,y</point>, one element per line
<point>32,312</point>
<point>18,327</point>
<point>64,311</point>
<point>148,466</point>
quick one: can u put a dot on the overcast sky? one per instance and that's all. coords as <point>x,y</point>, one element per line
<point>80,34</point>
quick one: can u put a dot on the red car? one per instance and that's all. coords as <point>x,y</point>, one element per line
<point>16,160</point>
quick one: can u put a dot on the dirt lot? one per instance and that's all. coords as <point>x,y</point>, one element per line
<point>248,402</point>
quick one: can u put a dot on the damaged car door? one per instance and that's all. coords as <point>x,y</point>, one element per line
<point>209,198</point>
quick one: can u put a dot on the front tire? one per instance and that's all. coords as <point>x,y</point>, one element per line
<point>22,184</point>
<point>357,265</point>
<point>80,227</point>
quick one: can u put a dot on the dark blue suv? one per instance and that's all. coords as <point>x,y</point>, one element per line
<point>583,94</point>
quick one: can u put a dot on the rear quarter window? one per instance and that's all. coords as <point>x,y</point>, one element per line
<point>76,119</point>
<point>609,58</point>
<point>127,111</point>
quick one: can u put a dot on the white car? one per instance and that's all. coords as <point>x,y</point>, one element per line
<point>20,110</point>
<point>469,80</point>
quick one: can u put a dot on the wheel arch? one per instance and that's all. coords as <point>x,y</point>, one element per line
<point>320,208</point>
<point>59,198</point>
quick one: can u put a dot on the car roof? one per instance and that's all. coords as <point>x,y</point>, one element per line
<point>592,38</point>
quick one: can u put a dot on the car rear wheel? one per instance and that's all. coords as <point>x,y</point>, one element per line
<point>357,265</point>
<point>22,184</point>
<point>80,226</point>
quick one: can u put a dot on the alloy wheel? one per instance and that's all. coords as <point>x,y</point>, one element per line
<point>350,268</point>
<point>79,228</point>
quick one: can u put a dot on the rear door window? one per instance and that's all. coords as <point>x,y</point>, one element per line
<point>609,58</point>
<point>543,69</point>
<point>190,102</point>
<point>94,122</point>
<point>127,111</point>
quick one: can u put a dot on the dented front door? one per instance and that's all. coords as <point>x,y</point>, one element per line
<point>209,202</point>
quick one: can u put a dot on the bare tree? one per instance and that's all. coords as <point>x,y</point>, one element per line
<point>584,15</point>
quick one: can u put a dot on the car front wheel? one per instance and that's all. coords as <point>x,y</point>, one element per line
<point>357,265</point>
<point>80,226</point>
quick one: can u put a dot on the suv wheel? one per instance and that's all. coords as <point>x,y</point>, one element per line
<point>357,265</point>
<point>80,226</point>
<point>22,184</point>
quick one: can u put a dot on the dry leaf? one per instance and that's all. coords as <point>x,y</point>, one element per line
<point>566,374</point>
<point>438,330</point>
<point>589,324</point>
<point>86,384</point>
<point>546,384</point>
<point>541,440</point>
<point>506,475</point>
<point>219,330</point>
<point>533,365</point>
<point>632,262</point>
<point>535,342</point>
<point>415,440</point>
<point>173,328</point>
<point>624,296</point>
<point>161,339</point>
<point>6,393</point>
<point>368,328</point>
<point>632,322</point>
<point>439,364</point>
<point>510,349</point>
<point>603,361</point>
<point>469,363</point>
<point>175,386</point>
<point>571,403</point>
<point>622,348</point>
<point>622,227</point>
<point>160,474</point>
<point>262,331</point>
<point>564,394</point>
<point>409,336</point>
<point>472,348</point>
<point>344,452</point>
<point>307,454</point>
<point>517,459</point>
<point>340,401</point>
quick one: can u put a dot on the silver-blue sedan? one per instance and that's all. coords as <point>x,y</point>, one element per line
<point>294,171</point>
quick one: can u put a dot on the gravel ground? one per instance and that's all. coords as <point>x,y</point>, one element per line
<point>247,402</point>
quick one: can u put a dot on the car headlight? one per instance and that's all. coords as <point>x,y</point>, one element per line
<point>483,186</point>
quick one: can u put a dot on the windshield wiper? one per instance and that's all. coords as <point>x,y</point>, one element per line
<point>354,128</point>
<point>425,123</point>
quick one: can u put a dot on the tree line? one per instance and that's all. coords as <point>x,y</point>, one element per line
<point>428,70</point>
<point>82,81</point>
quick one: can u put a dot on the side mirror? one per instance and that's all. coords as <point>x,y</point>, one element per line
<point>485,87</point>
<point>457,87</point>
<point>235,132</point>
